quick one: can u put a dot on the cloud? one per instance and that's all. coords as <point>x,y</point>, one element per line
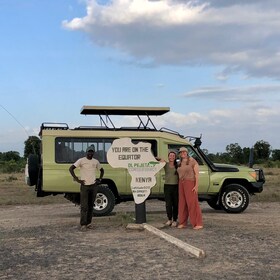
<point>241,36</point>
<point>244,114</point>
<point>124,12</point>
<point>160,85</point>
<point>221,127</point>
<point>236,36</point>
<point>252,93</point>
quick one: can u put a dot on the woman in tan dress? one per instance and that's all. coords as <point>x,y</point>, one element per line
<point>188,172</point>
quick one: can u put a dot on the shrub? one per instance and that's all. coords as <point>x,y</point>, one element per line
<point>11,166</point>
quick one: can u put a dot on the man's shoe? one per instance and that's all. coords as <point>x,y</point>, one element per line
<point>83,228</point>
<point>168,223</point>
<point>90,226</point>
<point>174,224</point>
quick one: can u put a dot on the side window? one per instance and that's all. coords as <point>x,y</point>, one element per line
<point>152,142</point>
<point>101,149</point>
<point>192,152</point>
<point>68,150</point>
<point>63,151</point>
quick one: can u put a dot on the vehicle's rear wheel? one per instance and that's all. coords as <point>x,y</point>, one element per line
<point>235,198</point>
<point>104,202</point>
<point>213,203</point>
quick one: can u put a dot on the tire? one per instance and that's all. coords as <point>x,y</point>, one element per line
<point>213,203</point>
<point>104,202</point>
<point>33,169</point>
<point>235,198</point>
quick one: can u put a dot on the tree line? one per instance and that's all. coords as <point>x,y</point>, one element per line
<point>260,153</point>
<point>11,161</point>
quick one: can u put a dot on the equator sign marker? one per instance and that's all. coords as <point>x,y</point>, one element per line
<point>140,163</point>
<point>142,166</point>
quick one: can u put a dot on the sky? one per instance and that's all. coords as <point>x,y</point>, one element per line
<point>215,63</point>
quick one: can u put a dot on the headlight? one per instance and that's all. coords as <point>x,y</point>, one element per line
<point>254,175</point>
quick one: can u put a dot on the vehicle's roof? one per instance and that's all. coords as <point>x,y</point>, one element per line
<point>112,134</point>
<point>122,111</point>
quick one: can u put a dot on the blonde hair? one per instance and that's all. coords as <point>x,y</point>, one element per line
<point>187,162</point>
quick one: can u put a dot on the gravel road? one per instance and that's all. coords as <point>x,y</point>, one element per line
<point>43,242</point>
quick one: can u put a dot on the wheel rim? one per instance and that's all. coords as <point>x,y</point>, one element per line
<point>234,199</point>
<point>100,202</point>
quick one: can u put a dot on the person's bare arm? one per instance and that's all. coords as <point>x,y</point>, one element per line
<point>101,176</point>
<point>160,159</point>
<point>75,178</point>
<point>196,173</point>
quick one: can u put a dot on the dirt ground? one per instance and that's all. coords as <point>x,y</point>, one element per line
<point>43,242</point>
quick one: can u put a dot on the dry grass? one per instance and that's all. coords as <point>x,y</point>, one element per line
<point>271,190</point>
<point>14,190</point>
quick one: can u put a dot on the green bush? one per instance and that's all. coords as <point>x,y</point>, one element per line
<point>11,166</point>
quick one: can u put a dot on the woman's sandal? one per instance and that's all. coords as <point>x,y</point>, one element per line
<point>181,226</point>
<point>198,227</point>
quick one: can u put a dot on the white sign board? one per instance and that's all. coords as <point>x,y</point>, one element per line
<point>140,163</point>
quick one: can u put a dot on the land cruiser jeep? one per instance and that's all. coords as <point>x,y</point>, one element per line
<point>223,186</point>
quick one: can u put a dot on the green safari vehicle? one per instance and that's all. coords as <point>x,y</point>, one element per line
<point>223,186</point>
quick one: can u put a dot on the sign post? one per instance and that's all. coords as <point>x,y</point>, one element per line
<point>140,213</point>
<point>141,165</point>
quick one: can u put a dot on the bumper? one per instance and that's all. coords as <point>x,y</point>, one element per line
<point>257,187</point>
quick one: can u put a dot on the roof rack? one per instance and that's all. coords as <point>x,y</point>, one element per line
<point>132,128</point>
<point>164,129</point>
<point>121,111</point>
<point>125,111</point>
<point>53,126</point>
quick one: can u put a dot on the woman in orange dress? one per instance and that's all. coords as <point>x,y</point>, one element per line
<point>189,208</point>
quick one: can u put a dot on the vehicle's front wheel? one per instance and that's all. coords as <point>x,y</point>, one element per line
<point>213,203</point>
<point>235,198</point>
<point>104,202</point>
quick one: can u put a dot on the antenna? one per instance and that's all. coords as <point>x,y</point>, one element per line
<point>14,119</point>
<point>18,124</point>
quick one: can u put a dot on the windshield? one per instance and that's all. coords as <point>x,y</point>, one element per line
<point>192,153</point>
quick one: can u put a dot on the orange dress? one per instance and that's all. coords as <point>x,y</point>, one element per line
<point>188,200</point>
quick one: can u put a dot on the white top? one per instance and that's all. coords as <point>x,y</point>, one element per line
<point>88,169</point>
